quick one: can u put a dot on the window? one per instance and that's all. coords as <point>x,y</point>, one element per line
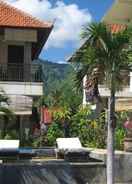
<point>15,54</point>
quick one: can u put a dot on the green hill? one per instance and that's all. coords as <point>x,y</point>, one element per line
<point>54,74</point>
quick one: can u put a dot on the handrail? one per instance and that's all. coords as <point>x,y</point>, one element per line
<point>20,72</point>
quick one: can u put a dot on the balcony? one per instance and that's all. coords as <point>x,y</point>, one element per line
<point>21,79</point>
<point>124,93</point>
<point>20,72</point>
<point>125,82</point>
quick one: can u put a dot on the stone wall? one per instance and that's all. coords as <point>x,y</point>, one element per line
<point>60,172</point>
<point>123,164</point>
<point>52,173</point>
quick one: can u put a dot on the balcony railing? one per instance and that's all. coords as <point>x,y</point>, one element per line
<point>21,72</point>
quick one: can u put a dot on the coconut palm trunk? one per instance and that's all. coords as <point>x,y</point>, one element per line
<point>111,135</point>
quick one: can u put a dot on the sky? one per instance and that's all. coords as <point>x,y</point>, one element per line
<point>69,17</point>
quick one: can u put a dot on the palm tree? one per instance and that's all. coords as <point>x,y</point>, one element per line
<point>104,57</point>
<point>5,111</point>
<point>3,102</point>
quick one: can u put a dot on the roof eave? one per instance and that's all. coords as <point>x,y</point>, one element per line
<point>41,41</point>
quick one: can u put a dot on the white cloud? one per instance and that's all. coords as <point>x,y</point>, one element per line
<point>69,19</point>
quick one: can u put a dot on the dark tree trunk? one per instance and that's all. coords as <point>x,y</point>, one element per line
<point>5,127</point>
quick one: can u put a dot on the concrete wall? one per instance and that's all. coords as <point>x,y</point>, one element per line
<point>20,35</point>
<point>60,172</point>
<point>22,88</point>
<point>120,12</point>
<point>52,173</point>
<point>123,164</point>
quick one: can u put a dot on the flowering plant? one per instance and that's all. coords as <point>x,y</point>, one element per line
<point>128,124</point>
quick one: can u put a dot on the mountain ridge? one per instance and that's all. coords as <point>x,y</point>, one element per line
<point>53,74</point>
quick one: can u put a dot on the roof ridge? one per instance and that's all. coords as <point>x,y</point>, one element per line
<point>25,14</point>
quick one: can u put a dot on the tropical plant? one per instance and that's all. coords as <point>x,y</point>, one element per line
<point>65,96</point>
<point>5,113</point>
<point>90,131</point>
<point>103,58</point>
<point>55,131</point>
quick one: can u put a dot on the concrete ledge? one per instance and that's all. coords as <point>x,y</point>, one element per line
<point>123,164</point>
<point>125,93</point>
<point>22,88</point>
<point>53,172</point>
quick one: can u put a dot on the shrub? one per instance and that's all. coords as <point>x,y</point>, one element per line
<point>90,131</point>
<point>54,131</point>
<point>120,131</point>
<point>11,134</point>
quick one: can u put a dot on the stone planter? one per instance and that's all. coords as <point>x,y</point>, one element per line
<point>128,144</point>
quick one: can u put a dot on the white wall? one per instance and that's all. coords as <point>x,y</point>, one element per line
<point>22,88</point>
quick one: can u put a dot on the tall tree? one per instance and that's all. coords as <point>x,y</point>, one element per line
<point>104,58</point>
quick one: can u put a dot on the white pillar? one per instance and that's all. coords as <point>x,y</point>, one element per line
<point>130,82</point>
<point>84,91</point>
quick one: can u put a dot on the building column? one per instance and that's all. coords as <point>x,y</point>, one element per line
<point>130,82</point>
<point>21,128</point>
<point>84,91</point>
<point>19,121</point>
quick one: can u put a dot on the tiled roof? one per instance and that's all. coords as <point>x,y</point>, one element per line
<point>13,17</point>
<point>115,28</point>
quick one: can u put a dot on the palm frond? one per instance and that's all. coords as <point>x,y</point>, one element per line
<point>102,51</point>
<point>4,102</point>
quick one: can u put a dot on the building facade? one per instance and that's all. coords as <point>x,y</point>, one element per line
<point>22,38</point>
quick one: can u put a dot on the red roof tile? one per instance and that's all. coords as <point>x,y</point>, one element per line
<point>13,17</point>
<point>115,28</point>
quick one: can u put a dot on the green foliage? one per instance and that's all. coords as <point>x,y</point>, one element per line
<point>11,134</point>
<point>119,138</point>
<point>82,124</point>
<point>53,74</point>
<point>70,97</point>
<point>59,86</point>
<point>120,131</point>
<point>36,143</point>
<point>4,102</point>
<point>55,131</point>
<point>61,114</point>
<point>103,57</point>
<point>48,138</point>
<point>90,131</point>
